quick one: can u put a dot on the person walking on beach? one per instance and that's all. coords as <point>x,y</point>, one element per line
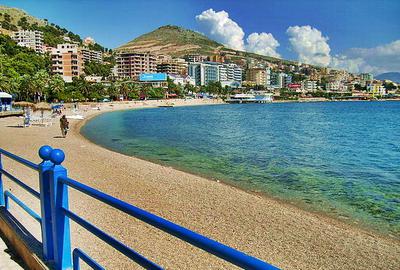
<point>64,125</point>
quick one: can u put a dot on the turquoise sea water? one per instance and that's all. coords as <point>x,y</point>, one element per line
<point>341,158</point>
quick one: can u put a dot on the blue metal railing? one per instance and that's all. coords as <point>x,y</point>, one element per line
<point>55,216</point>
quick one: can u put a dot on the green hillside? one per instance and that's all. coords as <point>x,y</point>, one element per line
<point>9,18</point>
<point>13,19</point>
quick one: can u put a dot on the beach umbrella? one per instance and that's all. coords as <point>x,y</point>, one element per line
<point>42,106</point>
<point>23,104</point>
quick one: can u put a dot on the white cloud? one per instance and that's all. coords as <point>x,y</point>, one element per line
<point>223,29</point>
<point>263,43</point>
<point>310,45</point>
<point>380,59</point>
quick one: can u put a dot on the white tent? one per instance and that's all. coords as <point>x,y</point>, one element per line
<point>5,101</point>
<point>5,95</point>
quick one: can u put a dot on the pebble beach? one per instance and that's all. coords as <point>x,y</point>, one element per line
<point>280,233</point>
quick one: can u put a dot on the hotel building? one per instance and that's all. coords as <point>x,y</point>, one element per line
<point>30,39</point>
<point>227,74</point>
<point>260,76</point>
<point>173,66</point>
<point>90,55</point>
<point>203,73</point>
<point>132,64</point>
<point>67,61</point>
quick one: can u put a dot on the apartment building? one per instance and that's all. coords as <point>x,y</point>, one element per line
<point>67,61</point>
<point>173,66</point>
<point>376,88</point>
<point>203,73</point>
<point>366,76</point>
<point>309,86</point>
<point>259,76</point>
<point>278,79</point>
<point>229,72</point>
<point>30,39</point>
<point>132,64</point>
<point>195,58</point>
<point>90,55</point>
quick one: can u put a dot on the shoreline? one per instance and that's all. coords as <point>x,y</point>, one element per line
<point>280,233</point>
<point>269,196</point>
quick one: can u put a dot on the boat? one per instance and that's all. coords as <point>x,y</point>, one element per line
<point>251,97</point>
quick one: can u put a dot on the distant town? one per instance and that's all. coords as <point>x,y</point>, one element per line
<point>194,73</point>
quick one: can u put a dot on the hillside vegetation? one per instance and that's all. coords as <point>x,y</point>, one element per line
<point>177,41</point>
<point>13,19</point>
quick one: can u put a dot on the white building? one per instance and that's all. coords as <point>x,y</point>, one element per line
<point>336,86</point>
<point>182,80</point>
<point>30,39</point>
<point>230,73</point>
<point>203,73</point>
<point>309,86</point>
<point>91,55</point>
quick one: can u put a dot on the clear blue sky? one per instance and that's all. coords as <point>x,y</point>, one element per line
<point>347,23</point>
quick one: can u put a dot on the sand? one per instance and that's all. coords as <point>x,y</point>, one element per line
<point>277,232</point>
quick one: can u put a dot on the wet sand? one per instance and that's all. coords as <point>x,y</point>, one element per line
<point>279,233</point>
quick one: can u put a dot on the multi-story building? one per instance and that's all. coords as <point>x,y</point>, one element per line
<point>309,86</point>
<point>366,76</point>
<point>278,79</point>
<point>30,39</point>
<point>67,61</point>
<point>220,58</point>
<point>287,80</point>
<point>376,88</point>
<point>336,86</point>
<point>203,73</point>
<point>229,72</point>
<point>260,76</point>
<point>173,66</point>
<point>195,58</point>
<point>132,64</point>
<point>89,41</point>
<point>91,55</point>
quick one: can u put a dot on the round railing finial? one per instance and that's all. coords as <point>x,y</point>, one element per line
<point>57,156</point>
<point>44,152</point>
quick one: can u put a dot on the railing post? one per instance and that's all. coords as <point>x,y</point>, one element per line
<point>61,226</point>
<point>45,202</point>
<point>1,184</point>
<point>54,195</point>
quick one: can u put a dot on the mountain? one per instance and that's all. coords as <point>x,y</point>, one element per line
<point>13,19</point>
<point>178,41</point>
<point>392,76</point>
<point>9,18</point>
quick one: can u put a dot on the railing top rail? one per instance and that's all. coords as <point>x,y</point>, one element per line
<point>20,183</point>
<point>20,159</point>
<point>224,252</point>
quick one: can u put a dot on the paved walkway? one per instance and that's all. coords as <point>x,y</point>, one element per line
<point>7,258</point>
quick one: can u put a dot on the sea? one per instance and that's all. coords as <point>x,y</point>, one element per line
<point>340,159</point>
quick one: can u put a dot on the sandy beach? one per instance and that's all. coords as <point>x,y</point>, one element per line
<point>277,232</point>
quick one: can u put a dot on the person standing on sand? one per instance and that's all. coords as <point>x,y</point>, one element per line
<point>64,126</point>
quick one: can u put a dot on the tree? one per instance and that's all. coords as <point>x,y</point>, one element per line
<point>390,86</point>
<point>23,23</point>
<point>98,69</point>
<point>189,88</point>
<point>56,87</point>
<point>38,85</point>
